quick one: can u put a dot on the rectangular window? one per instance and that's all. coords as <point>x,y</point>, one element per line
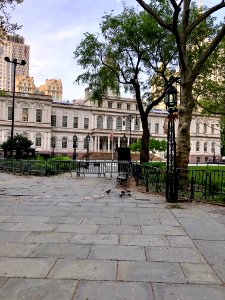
<point>64,121</point>
<point>212,128</point>
<point>86,123</point>
<point>205,128</point>
<point>53,120</point>
<point>9,113</point>
<point>119,105</point>
<point>128,106</point>
<point>75,122</point>
<point>205,147</point>
<point>198,159</point>
<point>38,115</point>
<point>25,115</point>
<point>156,127</point>
<point>38,141</point>
<point>197,127</point>
<point>110,104</point>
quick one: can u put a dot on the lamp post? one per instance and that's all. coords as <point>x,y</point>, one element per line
<point>124,140</point>
<point>74,147</point>
<point>171,173</point>
<point>87,141</point>
<point>129,118</point>
<point>15,63</point>
<point>53,145</point>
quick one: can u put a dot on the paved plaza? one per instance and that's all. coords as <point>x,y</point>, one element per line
<point>65,238</point>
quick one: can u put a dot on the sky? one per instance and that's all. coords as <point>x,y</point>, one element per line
<point>54,28</point>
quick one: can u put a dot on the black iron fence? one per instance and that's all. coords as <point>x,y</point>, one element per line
<point>191,184</point>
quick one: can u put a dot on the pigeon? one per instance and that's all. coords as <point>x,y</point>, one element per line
<point>108,191</point>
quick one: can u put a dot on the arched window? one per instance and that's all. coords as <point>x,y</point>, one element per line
<point>197,146</point>
<point>100,122</point>
<point>137,125</point>
<point>128,122</point>
<point>64,142</point>
<point>213,147</point>
<point>109,123</point>
<point>119,123</point>
<point>53,141</point>
<point>38,140</point>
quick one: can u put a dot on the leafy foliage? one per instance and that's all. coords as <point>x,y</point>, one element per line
<point>20,142</point>
<point>6,26</point>
<point>154,145</point>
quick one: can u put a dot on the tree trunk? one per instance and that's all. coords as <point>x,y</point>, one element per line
<point>183,135</point>
<point>144,155</point>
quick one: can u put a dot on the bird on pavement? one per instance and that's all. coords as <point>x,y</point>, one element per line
<point>108,191</point>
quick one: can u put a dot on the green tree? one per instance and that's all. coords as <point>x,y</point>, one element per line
<point>196,40</point>
<point>6,26</point>
<point>128,52</point>
<point>19,143</point>
<point>153,146</point>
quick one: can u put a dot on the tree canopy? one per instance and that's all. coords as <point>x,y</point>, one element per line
<point>20,142</point>
<point>6,24</point>
<point>196,40</point>
<point>129,50</point>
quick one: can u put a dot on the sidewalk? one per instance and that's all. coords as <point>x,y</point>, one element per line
<point>65,238</point>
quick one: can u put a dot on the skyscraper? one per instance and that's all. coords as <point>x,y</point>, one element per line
<point>13,47</point>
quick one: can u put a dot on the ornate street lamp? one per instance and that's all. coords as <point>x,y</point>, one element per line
<point>124,140</point>
<point>171,172</point>
<point>87,139</point>
<point>15,63</point>
<point>53,145</point>
<point>74,147</point>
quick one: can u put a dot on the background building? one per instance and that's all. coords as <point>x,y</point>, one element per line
<point>13,47</point>
<point>52,87</point>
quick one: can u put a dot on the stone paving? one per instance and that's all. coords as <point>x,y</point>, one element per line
<point>65,238</point>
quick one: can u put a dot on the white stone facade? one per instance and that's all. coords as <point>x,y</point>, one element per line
<point>40,119</point>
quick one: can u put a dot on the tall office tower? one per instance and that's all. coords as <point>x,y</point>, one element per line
<point>52,87</point>
<point>13,47</point>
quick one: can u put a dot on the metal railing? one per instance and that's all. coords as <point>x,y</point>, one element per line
<point>191,184</point>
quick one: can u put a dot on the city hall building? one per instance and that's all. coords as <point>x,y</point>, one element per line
<point>52,126</point>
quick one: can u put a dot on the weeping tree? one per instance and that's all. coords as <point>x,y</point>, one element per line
<point>196,41</point>
<point>127,53</point>
<point>6,24</point>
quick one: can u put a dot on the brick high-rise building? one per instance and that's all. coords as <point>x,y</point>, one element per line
<point>52,87</point>
<point>13,47</point>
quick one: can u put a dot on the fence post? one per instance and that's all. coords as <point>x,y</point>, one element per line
<point>146,181</point>
<point>192,187</point>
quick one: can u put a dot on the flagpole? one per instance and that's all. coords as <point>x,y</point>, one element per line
<point>112,145</point>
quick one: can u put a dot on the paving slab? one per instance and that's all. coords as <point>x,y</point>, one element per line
<point>114,290</point>
<point>150,271</point>
<point>144,240</point>
<point>188,292</point>
<point>214,252</point>
<point>172,254</point>
<point>84,269</point>
<point>117,252</point>
<point>61,251</point>
<point>31,289</point>
<point>25,267</point>
<point>203,228</point>
<point>200,273</point>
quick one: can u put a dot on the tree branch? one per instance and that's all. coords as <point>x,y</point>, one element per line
<point>151,11</point>
<point>203,16</point>
<point>212,46</point>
